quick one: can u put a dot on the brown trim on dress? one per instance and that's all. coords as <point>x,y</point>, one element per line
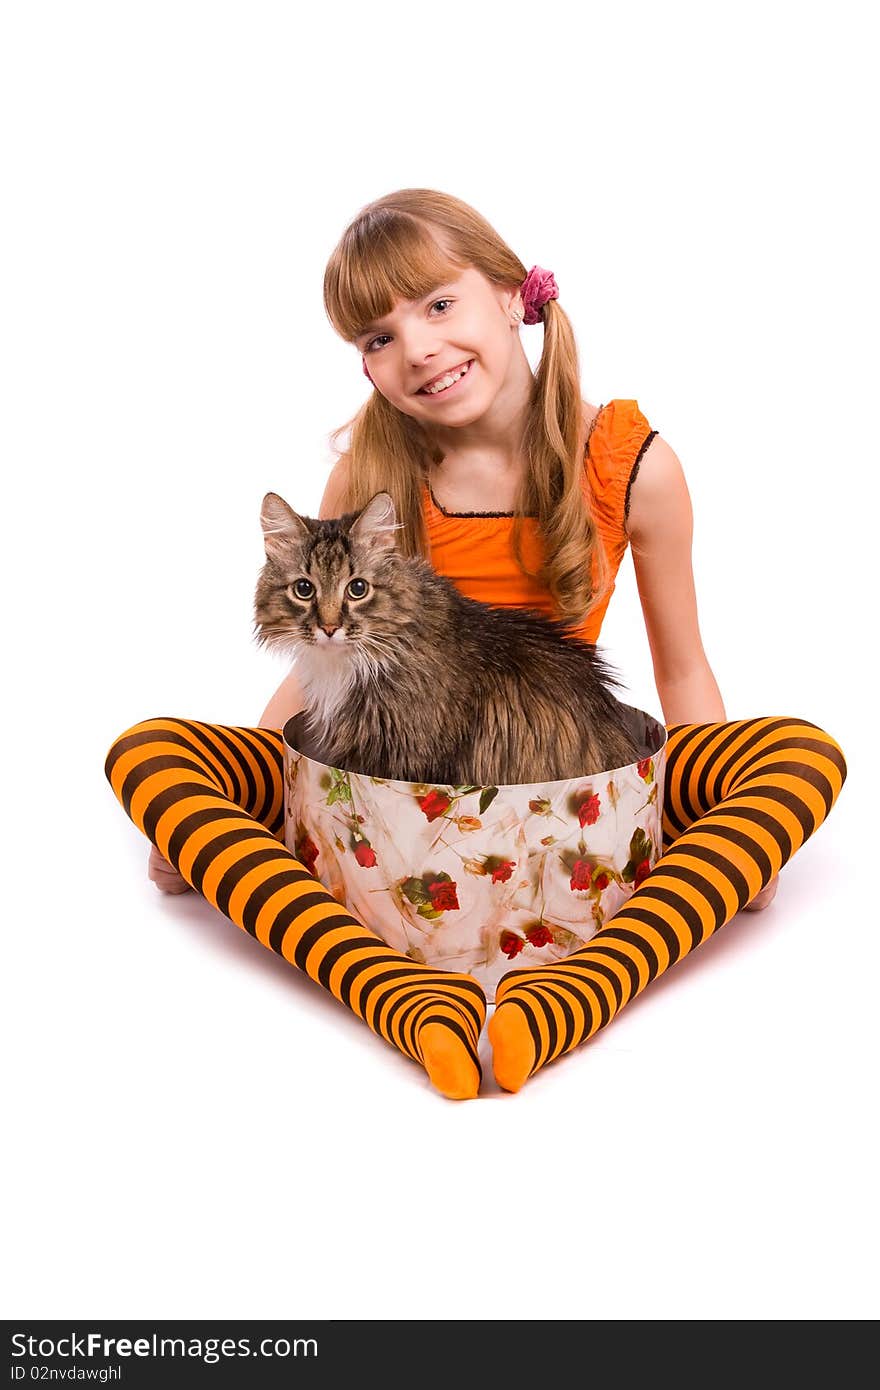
<point>497,515</point>
<point>635,469</point>
<point>442,510</point>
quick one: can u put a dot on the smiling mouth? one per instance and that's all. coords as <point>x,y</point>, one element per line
<point>430,388</point>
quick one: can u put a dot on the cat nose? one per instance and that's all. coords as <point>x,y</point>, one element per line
<point>329,630</point>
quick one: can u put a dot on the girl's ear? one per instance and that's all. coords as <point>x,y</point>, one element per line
<point>377,522</point>
<point>281,524</point>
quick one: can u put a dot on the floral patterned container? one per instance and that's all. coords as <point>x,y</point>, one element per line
<point>478,878</point>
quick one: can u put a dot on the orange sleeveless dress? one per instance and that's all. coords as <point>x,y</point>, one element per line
<point>474,549</point>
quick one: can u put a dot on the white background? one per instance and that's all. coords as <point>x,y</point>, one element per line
<point>194,1130</point>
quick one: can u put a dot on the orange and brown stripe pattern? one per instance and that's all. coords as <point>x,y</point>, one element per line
<point>740,798</point>
<point>211,799</point>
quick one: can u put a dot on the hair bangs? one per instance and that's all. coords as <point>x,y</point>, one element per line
<point>384,256</point>
<point>404,246</point>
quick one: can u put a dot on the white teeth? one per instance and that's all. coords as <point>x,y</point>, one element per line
<point>445,381</point>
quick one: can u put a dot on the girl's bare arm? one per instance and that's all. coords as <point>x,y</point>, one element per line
<point>660,527</point>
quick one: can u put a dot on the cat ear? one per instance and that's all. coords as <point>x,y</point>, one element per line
<point>377,522</point>
<point>280,524</point>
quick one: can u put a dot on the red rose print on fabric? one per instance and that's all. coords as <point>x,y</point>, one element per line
<point>581,875</point>
<point>638,865</point>
<point>539,936</point>
<point>307,852</point>
<point>443,895</point>
<point>511,851</point>
<point>588,811</point>
<point>431,895</point>
<point>435,803</point>
<point>642,871</point>
<point>503,871</point>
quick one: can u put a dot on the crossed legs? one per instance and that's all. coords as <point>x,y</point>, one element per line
<point>740,799</point>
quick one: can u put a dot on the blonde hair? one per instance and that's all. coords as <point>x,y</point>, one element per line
<point>401,246</point>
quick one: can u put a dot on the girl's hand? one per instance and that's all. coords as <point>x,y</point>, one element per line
<point>765,896</point>
<point>166,878</point>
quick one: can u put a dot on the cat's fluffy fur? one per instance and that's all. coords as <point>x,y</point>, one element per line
<point>416,682</point>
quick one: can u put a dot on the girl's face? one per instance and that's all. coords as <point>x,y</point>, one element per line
<point>463,323</point>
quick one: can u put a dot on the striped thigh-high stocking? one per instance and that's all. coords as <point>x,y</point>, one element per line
<point>211,799</point>
<point>740,799</point>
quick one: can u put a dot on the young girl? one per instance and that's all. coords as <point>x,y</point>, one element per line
<point>524,495</point>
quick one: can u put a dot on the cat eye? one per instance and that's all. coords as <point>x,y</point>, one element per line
<point>303,588</point>
<point>357,588</point>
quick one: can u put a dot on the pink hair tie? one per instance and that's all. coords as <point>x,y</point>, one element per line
<point>538,286</point>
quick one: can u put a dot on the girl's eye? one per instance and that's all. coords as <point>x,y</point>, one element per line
<point>357,588</point>
<point>303,588</point>
<point>385,335</point>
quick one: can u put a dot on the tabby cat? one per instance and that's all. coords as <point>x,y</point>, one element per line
<point>405,678</point>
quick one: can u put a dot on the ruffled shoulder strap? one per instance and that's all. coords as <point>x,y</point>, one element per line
<point>619,436</point>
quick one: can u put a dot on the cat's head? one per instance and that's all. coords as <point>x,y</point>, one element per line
<point>331,586</point>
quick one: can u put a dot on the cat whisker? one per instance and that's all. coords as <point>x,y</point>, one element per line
<point>380,652</point>
<point>427,683</point>
<point>369,666</point>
